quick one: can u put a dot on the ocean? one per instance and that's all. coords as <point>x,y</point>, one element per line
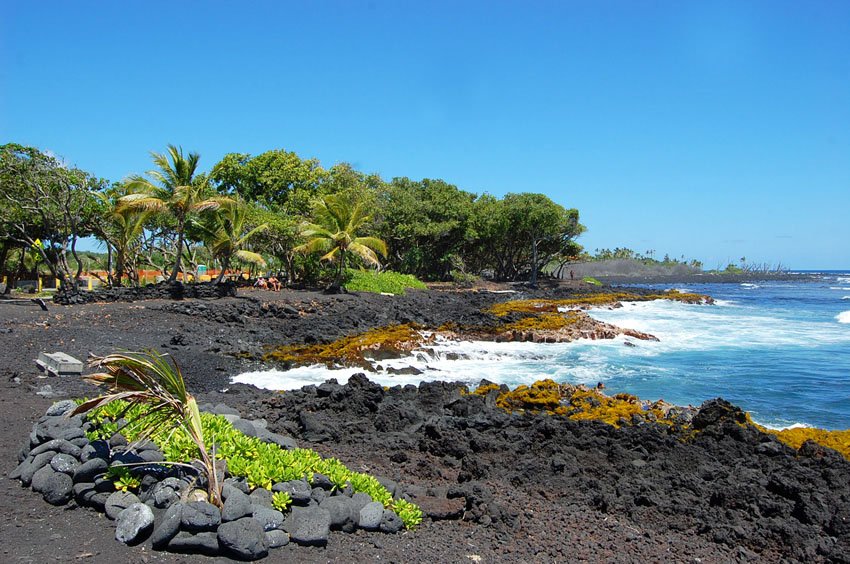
<point>778,349</point>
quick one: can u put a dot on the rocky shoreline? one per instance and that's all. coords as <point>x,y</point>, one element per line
<point>496,485</point>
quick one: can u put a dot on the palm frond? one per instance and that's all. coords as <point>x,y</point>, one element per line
<point>373,243</point>
<point>364,252</point>
<point>319,244</point>
<point>330,256</point>
<point>250,257</point>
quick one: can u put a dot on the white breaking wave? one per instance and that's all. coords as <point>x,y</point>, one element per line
<point>680,328</point>
<point>781,427</point>
<point>842,288</point>
<point>843,317</point>
<point>750,286</point>
<point>685,327</point>
<point>846,298</point>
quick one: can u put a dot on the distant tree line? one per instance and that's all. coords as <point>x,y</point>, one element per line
<point>274,211</point>
<point>647,257</point>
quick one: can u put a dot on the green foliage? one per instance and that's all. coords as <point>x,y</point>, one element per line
<point>147,381</point>
<point>591,280</point>
<point>261,464</point>
<point>385,282</point>
<point>426,223</point>
<point>281,501</point>
<point>277,179</point>
<point>337,220</point>
<point>225,232</point>
<point>43,200</point>
<point>409,512</point>
<point>624,253</point>
<point>521,233</point>
<point>174,189</point>
<point>122,478</point>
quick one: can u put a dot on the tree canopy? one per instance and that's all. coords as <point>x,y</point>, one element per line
<point>275,210</point>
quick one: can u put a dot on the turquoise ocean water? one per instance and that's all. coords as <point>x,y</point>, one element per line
<point>780,350</point>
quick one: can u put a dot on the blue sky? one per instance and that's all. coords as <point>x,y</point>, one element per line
<point>713,130</point>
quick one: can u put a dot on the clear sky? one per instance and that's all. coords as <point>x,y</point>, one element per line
<point>713,130</point>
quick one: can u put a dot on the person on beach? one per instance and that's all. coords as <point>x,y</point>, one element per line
<point>274,284</point>
<point>261,283</point>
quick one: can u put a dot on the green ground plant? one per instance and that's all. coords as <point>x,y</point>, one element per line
<point>386,282</point>
<point>123,478</point>
<point>147,380</point>
<point>261,464</point>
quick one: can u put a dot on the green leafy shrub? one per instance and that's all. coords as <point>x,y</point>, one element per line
<point>261,464</point>
<point>464,279</point>
<point>122,478</point>
<point>386,282</point>
<point>281,501</point>
<point>591,280</point>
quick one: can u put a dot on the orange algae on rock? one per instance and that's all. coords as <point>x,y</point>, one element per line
<point>533,306</point>
<point>622,409</point>
<point>543,395</point>
<point>542,322</point>
<point>485,389</point>
<point>836,440</point>
<point>383,342</point>
<point>579,403</point>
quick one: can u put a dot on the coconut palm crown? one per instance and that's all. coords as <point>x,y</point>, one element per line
<point>225,233</point>
<point>337,220</point>
<point>148,378</point>
<point>173,189</point>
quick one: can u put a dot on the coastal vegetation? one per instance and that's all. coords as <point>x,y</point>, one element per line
<point>338,219</point>
<point>183,221</point>
<point>386,282</point>
<point>148,379</point>
<point>146,400</point>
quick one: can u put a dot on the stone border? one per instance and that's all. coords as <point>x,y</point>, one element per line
<point>163,290</point>
<point>170,512</point>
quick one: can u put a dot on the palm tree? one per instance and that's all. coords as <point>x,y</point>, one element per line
<point>223,231</point>
<point>121,230</point>
<point>148,378</point>
<point>175,190</point>
<point>337,219</point>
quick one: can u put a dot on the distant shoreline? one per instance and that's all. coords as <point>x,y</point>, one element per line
<point>705,278</point>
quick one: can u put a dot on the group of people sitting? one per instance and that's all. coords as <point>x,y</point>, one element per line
<point>270,283</point>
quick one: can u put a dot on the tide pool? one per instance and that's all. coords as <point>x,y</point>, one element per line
<point>780,350</point>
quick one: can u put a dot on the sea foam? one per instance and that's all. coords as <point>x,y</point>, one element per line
<point>843,317</point>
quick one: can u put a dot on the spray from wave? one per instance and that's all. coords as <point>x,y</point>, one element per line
<point>843,317</point>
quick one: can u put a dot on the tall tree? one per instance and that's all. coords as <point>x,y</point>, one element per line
<point>173,189</point>
<point>522,233</point>
<point>277,179</point>
<point>337,220</point>
<point>425,224</point>
<point>225,233</point>
<point>46,206</point>
<point>121,228</point>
